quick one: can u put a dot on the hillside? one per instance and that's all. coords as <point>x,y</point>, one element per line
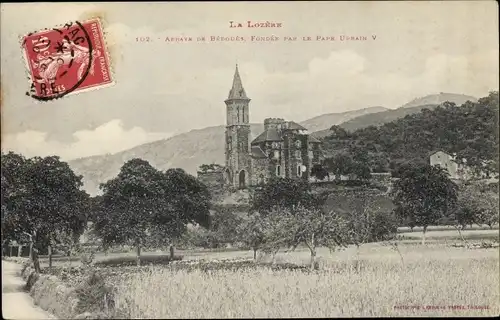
<point>469,130</point>
<point>191,149</point>
<point>375,119</point>
<point>436,99</point>
<point>325,121</point>
<point>187,150</point>
<point>412,107</point>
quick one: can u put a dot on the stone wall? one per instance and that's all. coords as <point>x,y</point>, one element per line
<point>212,178</point>
<point>260,169</point>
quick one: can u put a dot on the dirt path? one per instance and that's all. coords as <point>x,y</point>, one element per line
<point>16,303</point>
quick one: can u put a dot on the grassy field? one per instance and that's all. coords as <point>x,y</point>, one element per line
<point>452,234</point>
<point>376,279</point>
<point>474,227</point>
<point>435,235</point>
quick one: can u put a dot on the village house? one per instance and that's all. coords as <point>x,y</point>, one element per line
<point>457,169</point>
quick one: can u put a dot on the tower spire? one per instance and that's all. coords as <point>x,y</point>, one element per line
<point>237,91</point>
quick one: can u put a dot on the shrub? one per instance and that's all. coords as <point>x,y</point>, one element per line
<point>87,258</point>
<point>131,260</point>
<point>54,296</point>
<point>32,278</point>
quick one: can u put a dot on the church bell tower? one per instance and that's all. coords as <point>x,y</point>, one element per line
<point>238,161</point>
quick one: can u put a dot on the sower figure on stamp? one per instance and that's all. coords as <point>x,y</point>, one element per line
<point>70,53</point>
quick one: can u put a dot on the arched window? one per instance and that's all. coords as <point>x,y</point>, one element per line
<point>278,171</point>
<point>242,179</point>
<point>299,170</point>
<point>230,143</point>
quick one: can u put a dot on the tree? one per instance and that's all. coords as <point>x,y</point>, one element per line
<point>319,172</point>
<point>285,227</point>
<point>470,131</point>
<point>340,164</point>
<point>210,167</point>
<point>143,203</point>
<point>42,201</point>
<point>224,225</point>
<point>14,188</point>
<point>189,199</point>
<point>369,223</point>
<point>251,233</point>
<point>361,170</point>
<point>424,194</point>
<point>476,204</point>
<point>284,193</point>
<point>338,132</point>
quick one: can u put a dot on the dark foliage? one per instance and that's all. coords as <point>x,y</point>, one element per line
<point>424,195</point>
<point>470,131</point>
<point>285,193</point>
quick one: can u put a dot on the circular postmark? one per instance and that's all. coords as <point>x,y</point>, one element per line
<point>59,60</point>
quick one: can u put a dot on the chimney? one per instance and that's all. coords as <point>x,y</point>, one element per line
<point>273,123</point>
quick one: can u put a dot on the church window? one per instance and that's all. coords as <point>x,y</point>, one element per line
<point>278,171</point>
<point>276,154</point>
<point>299,170</point>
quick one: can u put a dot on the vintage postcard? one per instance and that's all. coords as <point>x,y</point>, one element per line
<point>249,159</point>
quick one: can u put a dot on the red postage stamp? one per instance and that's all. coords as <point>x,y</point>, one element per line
<point>67,60</point>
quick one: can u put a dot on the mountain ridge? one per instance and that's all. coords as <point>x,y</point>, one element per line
<point>191,149</point>
<point>416,105</point>
<point>439,98</point>
<point>186,150</point>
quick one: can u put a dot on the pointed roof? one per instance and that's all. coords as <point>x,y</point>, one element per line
<point>258,153</point>
<point>434,151</point>
<point>270,134</point>
<point>237,91</point>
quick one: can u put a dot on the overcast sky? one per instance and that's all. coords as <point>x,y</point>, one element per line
<point>167,88</point>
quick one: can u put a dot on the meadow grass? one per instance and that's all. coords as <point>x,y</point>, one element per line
<point>452,234</point>
<point>436,234</point>
<point>373,280</point>
<point>446,227</point>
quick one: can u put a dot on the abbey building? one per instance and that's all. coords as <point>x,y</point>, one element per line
<point>284,149</point>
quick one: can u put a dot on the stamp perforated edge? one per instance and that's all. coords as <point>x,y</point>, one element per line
<point>103,35</point>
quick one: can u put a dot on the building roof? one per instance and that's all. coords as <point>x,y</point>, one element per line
<point>270,134</point>
<point>237,91</point>
<point>436,151</point>
<point>257,152</point>
<point>294,126</point>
